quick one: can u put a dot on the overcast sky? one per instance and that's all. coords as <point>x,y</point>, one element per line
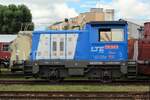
<point>46,12</point>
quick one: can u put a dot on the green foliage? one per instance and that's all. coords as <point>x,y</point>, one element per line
<point>14,18</point>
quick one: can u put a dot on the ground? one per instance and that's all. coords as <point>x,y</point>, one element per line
<point>107,88</point>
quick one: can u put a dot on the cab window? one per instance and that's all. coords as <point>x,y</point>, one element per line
<point>54,46</point>
<point>108,34</point>
<point>61,46</point>
<point>5,47</point>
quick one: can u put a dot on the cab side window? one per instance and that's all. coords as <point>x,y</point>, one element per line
<point>108,34</point>
<point>117,35</point>
<point>105,34</point>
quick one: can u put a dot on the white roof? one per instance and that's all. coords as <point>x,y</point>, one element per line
<point>7,38</point>
<point>135,21</point>
<point>25,32</point>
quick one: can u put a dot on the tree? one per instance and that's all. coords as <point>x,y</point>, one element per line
<point>14,18</point>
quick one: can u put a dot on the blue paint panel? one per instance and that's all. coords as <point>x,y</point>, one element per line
<point>35,43</point>
<point>82,47</point>
<point>108,52</point>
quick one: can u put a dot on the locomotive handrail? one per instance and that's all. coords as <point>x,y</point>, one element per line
<point>60,31</point>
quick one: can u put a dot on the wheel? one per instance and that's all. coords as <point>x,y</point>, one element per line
<point>106,79</point>
<point>36,76</point>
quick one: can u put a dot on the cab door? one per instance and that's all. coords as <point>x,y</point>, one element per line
<point>57,46</point>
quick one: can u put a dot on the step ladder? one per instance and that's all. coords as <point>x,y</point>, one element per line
<point>28,71</point>
<point>132,70</point>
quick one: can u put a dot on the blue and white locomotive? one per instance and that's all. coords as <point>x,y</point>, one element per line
<point>99,51</point>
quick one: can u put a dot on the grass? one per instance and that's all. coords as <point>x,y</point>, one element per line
<point>106,88</point>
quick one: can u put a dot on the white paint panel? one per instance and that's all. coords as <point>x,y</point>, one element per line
<point>43,50</point>
<point>71,45</point>
<point>57,46</point>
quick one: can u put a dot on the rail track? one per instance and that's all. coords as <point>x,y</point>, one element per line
<point>71,82</point>
<point>23,82</point>
<point>17,95</point>
<point>14,78</point>
<point>10,74</point>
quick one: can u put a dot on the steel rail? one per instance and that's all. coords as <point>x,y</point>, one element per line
<point>71,82</point>
<point>74,95</point>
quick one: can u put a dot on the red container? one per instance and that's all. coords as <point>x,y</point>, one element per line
<point>147,37</point>
<point>130,48</point>
<point>144,54</point>
<point>144,69</point>
<point>1,45</point>
<point>147,29</point>
<point>144,49</point>
<point>4,54</point>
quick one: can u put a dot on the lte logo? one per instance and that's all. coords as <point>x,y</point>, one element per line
<point>97,49</point>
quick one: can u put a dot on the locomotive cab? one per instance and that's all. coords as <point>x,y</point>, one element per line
<point>108,44</point>
<point>108,41</point>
